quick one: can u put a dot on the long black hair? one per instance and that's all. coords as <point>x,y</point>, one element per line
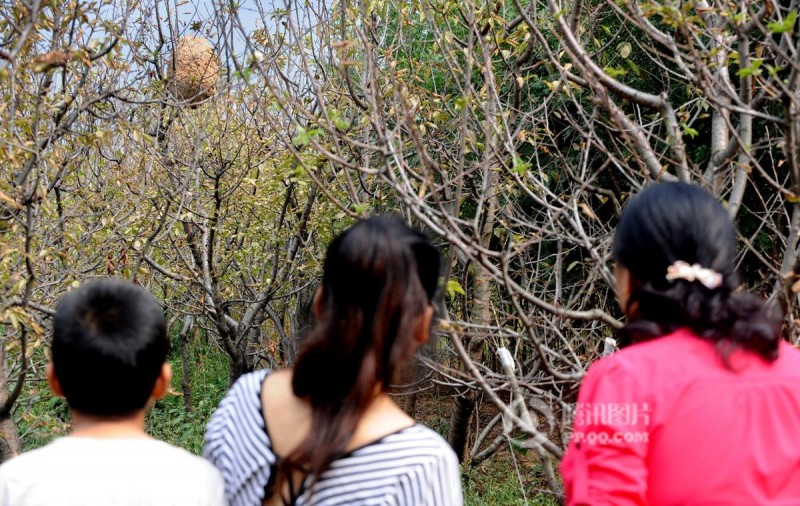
<point>379,277</point>
<point>671,222</point>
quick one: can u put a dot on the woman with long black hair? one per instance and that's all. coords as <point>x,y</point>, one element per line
<point>326,431</point>
<point>703,405</point>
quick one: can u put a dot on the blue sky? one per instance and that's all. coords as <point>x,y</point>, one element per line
<point>204,12</point>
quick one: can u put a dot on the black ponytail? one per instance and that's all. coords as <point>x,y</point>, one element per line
<point>379,277</point>
<point>679,222</point>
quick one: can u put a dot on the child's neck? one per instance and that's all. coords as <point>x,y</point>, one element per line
<point>130,426</point>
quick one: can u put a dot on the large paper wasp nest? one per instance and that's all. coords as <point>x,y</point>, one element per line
<point>193,70</point>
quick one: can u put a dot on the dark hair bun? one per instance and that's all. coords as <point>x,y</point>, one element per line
<point>672,222</point>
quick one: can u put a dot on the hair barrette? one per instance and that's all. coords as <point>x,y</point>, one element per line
<point>707,277</point>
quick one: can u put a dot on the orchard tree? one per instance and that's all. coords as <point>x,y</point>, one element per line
<point>515,131</point>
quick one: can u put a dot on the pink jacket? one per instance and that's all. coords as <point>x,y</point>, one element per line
<point>664,422</point>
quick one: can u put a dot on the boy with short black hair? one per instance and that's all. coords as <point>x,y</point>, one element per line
<point>109,354</point>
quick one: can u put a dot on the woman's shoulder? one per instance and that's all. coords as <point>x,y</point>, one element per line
<point>236,441</point>
<point>414,451</point>
<point>413,466</point>
<point>665,352</point>
<point>239,412</point>
<point>789,350</point>
<point>425,436</point>
<point>416,443</point>
<point>682,356</point>
<point>249,383</point>
<point>643,367</point>
<point>788,359</point>
<point>676,343</point>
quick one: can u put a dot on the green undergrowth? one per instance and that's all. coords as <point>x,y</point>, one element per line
<point>496,483</point>
<point>169,419</point>
<point>40,416</point>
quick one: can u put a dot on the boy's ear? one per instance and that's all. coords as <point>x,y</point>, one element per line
<point>52,380</point>
<point>161,386</point>
<point>423,330</point>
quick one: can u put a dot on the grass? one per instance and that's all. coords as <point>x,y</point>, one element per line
<point>495,482</point>
<point>169,420</point>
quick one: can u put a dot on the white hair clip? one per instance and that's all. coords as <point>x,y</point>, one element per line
<point>707,277</point>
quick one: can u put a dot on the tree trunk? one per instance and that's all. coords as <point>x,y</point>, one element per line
<point>183,343</point>
<point>238,366</point>
<point>486,216</point>
<point>10,444</point>
<point>299,322</point>
<point>463,407</point>
<point>414,374</point>
<point>464,404</point>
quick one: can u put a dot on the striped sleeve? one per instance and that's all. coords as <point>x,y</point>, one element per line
<point>236,442</point>
<point>443,487</point>
<point>413,467</point>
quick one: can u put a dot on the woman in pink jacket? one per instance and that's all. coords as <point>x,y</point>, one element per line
<point>703,406</point>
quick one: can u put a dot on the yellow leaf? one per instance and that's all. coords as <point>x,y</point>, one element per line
<point>588,211</point>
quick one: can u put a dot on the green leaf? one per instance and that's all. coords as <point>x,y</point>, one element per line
<point>337,120</point>
<point>787,25</point>
<point>773,70</point>
<point>453,287</point>
<point>753,70</point>
<point>516,444</point>
<point>520,166</point>
<point>302,138</point>
<point>687,130</point>
<point>613,72</point>
<point>244,74</point>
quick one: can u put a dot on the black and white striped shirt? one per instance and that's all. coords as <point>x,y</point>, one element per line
<point>411,467</point>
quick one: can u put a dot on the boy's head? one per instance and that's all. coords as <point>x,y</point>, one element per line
<point>109,348</point>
